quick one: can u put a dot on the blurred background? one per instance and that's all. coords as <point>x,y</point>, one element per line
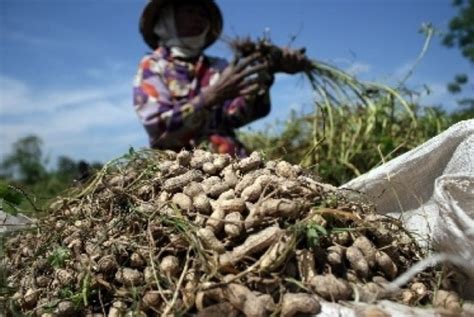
<point>66,71</point>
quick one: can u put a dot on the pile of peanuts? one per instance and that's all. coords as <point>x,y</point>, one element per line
<point>197,233</point>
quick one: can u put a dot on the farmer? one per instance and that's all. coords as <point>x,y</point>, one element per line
<point>186,99</point>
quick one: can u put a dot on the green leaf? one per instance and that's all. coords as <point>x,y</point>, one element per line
<point>312,236</point>
<point>312,233</point>
<point>454,88</point>
<point>58,258</point>
<point>10,194</point>
<point>461,79</point>
<point>321,229</point>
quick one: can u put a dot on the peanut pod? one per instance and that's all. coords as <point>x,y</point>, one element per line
<point>184,158</point>
<point>176,183</point>
<point>232,205</point>
<point>279,207</point>
<point>299,304</point>
<point>277,253</point>
<point>367,248</point>
<point>244,300</point>
<point>202,204</point>
<point>215,222</point>
<point>230,177</point>
<point>254,243</point>
<point>447,300</point>
<point>306,265</point>
<point>250,163</point>
<point>252,193</point>
<point>358,262</point>
<point>335,256</point>
<point>183,201</point>
<point>386,265</point>
<point>210,241</point>
<point>286,170</point>
<point>331,288</point>
<point>233,226</point>
<point>193,189</point>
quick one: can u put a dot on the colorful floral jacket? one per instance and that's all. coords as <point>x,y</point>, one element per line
<point>164,90</point>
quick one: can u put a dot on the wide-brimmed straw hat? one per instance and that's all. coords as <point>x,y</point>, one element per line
<point>151,15</point>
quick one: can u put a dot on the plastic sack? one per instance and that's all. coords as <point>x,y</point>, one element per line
<point>431,189</point>
<point>12,223</point>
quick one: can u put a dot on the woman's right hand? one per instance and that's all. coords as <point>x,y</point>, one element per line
<point>238,79</point>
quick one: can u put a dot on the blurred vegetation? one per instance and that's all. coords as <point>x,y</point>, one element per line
<point>461,35</point>
<point>341,143</point>
<point>337,142</point>
<point>26,182</point>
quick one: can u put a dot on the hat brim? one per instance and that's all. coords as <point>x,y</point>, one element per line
<point>151,13</point>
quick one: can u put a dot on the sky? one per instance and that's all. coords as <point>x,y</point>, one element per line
<point>66,66</point>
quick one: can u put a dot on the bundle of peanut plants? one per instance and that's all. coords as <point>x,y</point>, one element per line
<point>354,126</point>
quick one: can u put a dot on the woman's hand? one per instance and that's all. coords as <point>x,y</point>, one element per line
<point>292,61</point>
<point>238,79</point>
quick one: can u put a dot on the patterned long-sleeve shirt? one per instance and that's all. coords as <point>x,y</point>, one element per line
<point>166,98</point>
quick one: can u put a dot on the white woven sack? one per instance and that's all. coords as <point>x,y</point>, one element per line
<point>431,188</point>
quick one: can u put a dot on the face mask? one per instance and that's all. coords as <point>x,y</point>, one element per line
<point>185,47</point>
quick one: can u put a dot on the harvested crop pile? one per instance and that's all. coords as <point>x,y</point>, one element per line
<point>195,233</point>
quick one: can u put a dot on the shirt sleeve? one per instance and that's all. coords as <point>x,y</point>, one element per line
<point>169,122</point>
<point>241,111</point>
